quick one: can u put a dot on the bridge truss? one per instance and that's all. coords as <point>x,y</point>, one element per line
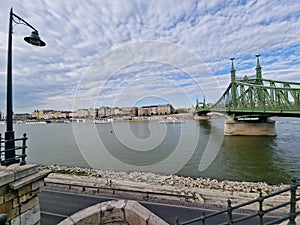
<point>256,97</point>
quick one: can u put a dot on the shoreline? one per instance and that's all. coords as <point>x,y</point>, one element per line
<point>205,192</point>
<point>169,179</point>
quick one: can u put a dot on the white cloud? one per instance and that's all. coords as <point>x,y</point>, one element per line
<point>79,33</point>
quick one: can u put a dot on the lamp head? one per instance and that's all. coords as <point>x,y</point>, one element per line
<point>35,39</point>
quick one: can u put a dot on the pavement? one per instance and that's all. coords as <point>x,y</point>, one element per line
<point>209,198</point>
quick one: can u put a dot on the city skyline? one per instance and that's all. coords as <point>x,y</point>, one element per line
<point>141,52</point>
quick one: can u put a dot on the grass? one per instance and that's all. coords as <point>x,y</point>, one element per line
<point>77,173</point>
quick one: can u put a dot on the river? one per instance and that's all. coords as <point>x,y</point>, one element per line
<point>193,148</point>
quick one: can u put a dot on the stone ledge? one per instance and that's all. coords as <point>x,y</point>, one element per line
<point>21,171</point>
<point>29,179</point>
<point>6,177</point>
<point>114,212</point>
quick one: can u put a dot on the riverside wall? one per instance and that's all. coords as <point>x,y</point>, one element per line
<point>169,179</point>
<point>19,189</point>
<point>205,192</point>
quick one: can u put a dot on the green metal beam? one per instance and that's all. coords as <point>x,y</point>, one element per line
<point>257,97</point>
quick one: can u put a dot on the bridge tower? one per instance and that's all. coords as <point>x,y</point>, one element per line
<point>250,102</point>
<point>260,126</point>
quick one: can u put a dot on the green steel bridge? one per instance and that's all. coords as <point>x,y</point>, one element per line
<point>256,97</point>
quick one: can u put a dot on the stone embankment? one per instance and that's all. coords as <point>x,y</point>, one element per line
<point>187,190</point>
<point>170,180</point>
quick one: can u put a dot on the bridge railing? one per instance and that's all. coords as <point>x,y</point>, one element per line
<point>20,149</point>
<point>260,213</point>
<point>260,96</point>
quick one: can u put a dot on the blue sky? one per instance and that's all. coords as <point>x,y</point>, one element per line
<point>124,53</point>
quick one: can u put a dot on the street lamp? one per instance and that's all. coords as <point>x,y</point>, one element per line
<point>34,39</point>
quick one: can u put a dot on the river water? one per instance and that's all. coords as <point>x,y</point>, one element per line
<point>194,148</point>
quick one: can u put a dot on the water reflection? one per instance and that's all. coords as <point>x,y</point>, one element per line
<point>270,159</point>
<point>253,159</point>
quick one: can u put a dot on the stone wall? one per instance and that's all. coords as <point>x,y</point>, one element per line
<point>19,189</point>
<point>114,212</point>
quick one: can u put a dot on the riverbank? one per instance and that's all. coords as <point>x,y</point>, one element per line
<point>204,191</point>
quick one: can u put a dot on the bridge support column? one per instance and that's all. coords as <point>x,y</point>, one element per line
<point>263,127</point>
<point>197,117</point>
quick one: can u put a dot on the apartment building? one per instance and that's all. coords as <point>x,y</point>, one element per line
<point>130,111</point>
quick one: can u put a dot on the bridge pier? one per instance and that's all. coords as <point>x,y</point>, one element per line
<point>202,117</point>
<point>260,127</point>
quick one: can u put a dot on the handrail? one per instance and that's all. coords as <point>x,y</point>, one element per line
<point>21,147</point>
<point>260,213</point>
<point>120,189</point>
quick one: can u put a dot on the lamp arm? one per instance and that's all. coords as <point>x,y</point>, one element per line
<point>21,21</point>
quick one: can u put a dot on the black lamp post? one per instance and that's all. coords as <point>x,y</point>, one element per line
<point>34,39</point>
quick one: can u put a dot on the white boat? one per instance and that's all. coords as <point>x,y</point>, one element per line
<point>34,122</point>
<point>101,121</point>
<point>171,120</point>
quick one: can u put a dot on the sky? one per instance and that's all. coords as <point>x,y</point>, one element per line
<point>134,53</point>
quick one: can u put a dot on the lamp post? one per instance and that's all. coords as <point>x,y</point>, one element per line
<point>34,39</point>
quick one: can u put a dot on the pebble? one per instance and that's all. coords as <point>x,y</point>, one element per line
<point>172,180</point>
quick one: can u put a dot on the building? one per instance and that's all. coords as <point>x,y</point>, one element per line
<point>130,111</point>
<point>165,109</point>
<point>92,113</point>
<point>82,113</point>
<point>38,114</point>
<point>156,110</point>
<point>22,116</point>
<point>145,111</point>
<point>117,111</point>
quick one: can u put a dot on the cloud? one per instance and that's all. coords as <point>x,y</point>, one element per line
<point>79,33</point>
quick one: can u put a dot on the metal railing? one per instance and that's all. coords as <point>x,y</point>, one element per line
<point>114,189</point>
<point>260,213</point>
<point>21,148</point>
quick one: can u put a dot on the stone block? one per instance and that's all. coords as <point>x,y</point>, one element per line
<point>16,221</point>
<point>23,171</point>
<point>13,213</point>
<point>28,196</point>
<point>115,215</point>
<point>37,185</point>
<point>6,207</point>
<point>6,177</point>
<point>1,199</point>
<point>10,195</point>
<point>28,180</point>
<point>113,211</point>
<point>136,214</point>
<point>16,202</point>
<point>24,198</point>
<point>119,223</point>
<point>30,204</point>
<point>155,220</point>
<point>31,216</point>
<point>90,215</point>
<point>3,189</point>
<point>24,190</point>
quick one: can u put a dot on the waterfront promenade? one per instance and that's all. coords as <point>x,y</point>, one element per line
<point>197,191</point>
<point>193,195</point>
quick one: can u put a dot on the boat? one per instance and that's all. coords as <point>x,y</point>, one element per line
<point>171,120</point>
<point>101,121</point>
